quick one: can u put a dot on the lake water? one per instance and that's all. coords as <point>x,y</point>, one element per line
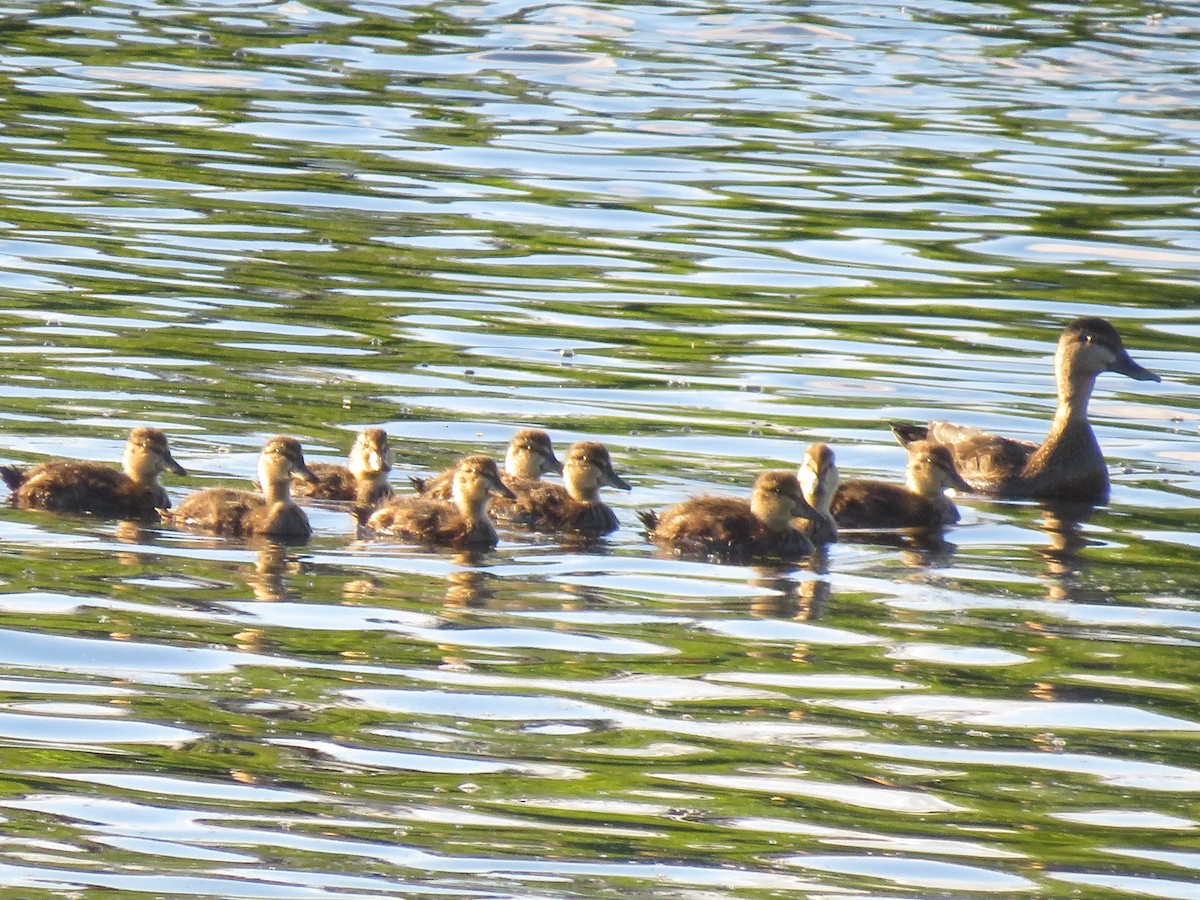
<point>705,234</point>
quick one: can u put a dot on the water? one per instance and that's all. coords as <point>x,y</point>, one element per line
<point>706,235</point>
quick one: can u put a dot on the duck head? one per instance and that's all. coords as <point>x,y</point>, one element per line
<point>777,498</point>
<point>371,456</point>
<point>587,469</point>
<point>280,459</point>
<point>147,454</point>
<point>930,470</point>
<point>1087,347</point>
<point>474,478</point>
<point>531,455</point>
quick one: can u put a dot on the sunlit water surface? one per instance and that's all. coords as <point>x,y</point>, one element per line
<point>706,234</point>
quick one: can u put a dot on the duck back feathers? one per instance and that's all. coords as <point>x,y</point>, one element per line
<point>70,486</point>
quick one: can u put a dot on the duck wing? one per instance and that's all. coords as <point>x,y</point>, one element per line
<point>985,460</point>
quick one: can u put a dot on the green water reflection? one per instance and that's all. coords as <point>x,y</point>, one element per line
<point>707,236</point>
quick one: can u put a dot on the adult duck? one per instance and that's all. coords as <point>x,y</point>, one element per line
<point>735,530</point>
<point>71,486</point>
<point>461,523</point>
<point>273,513</point>
<point>1068,465</point>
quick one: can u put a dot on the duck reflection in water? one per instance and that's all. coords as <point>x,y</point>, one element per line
<point>272,567</point>
<point>791,593</point>
<point>1066,565</point>
<point>469,588</point>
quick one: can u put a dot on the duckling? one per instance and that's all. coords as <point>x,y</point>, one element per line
<point>69,486</point>
<point>241,513</point>
<point>574,505</point>
<point>738,530</point>
<point>920,503</point>
<point>819,480</point>
<point>530,455</point>
<point>1069,464</point>
<point>460,523</point>
<point>365,480</point>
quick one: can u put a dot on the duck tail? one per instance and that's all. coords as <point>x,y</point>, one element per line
<point>418,483</point>
<point>907,433</point>
<point>649,519</point>
<point>12,476</point>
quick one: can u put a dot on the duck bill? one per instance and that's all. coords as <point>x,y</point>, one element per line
<point>500,488</point>
<point>612,479</point>
<point>960,484</point>
<point>304,472</point>
<point>1125,365</point>
<point>802,509</point>
<point>169,465</point>
<point>376,462</point>
<point>553,464</point>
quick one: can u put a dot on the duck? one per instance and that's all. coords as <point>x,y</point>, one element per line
<point>72,486</point>
<point>273,513</point>
<point>460,523</point>
<point>364,480</point>
<point>919,503</point>
<point>1068,465</point>
<point>575,505</point>
<point>734,530</point>
<point>530,455</point>
<point>819,480</point>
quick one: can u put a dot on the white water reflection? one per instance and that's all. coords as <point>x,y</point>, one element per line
<point>707,239</point>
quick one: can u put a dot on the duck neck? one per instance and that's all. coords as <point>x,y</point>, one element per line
<point>773,515</point>
<point>139,469</point>
<point>1074,392</point>
<point>276,491</point>
<point>471,504</point>
<point>926,487</point>
<point>1070,428</point>
<point>276,485</point>
<point>581,488</point>
<point>521,465</point>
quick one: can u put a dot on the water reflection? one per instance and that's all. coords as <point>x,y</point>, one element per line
<point>706,240</point>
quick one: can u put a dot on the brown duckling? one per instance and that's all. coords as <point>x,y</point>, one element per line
<point>573,506</point>
<point>70,486</point>
<point>365,480</point>
<point>530,455</point>
<point>737,530</point>
<point>461,522</point>
<point>920,503</point>
<point>272,513</point>
<point>1068,465</point>
<point>819,480</point>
